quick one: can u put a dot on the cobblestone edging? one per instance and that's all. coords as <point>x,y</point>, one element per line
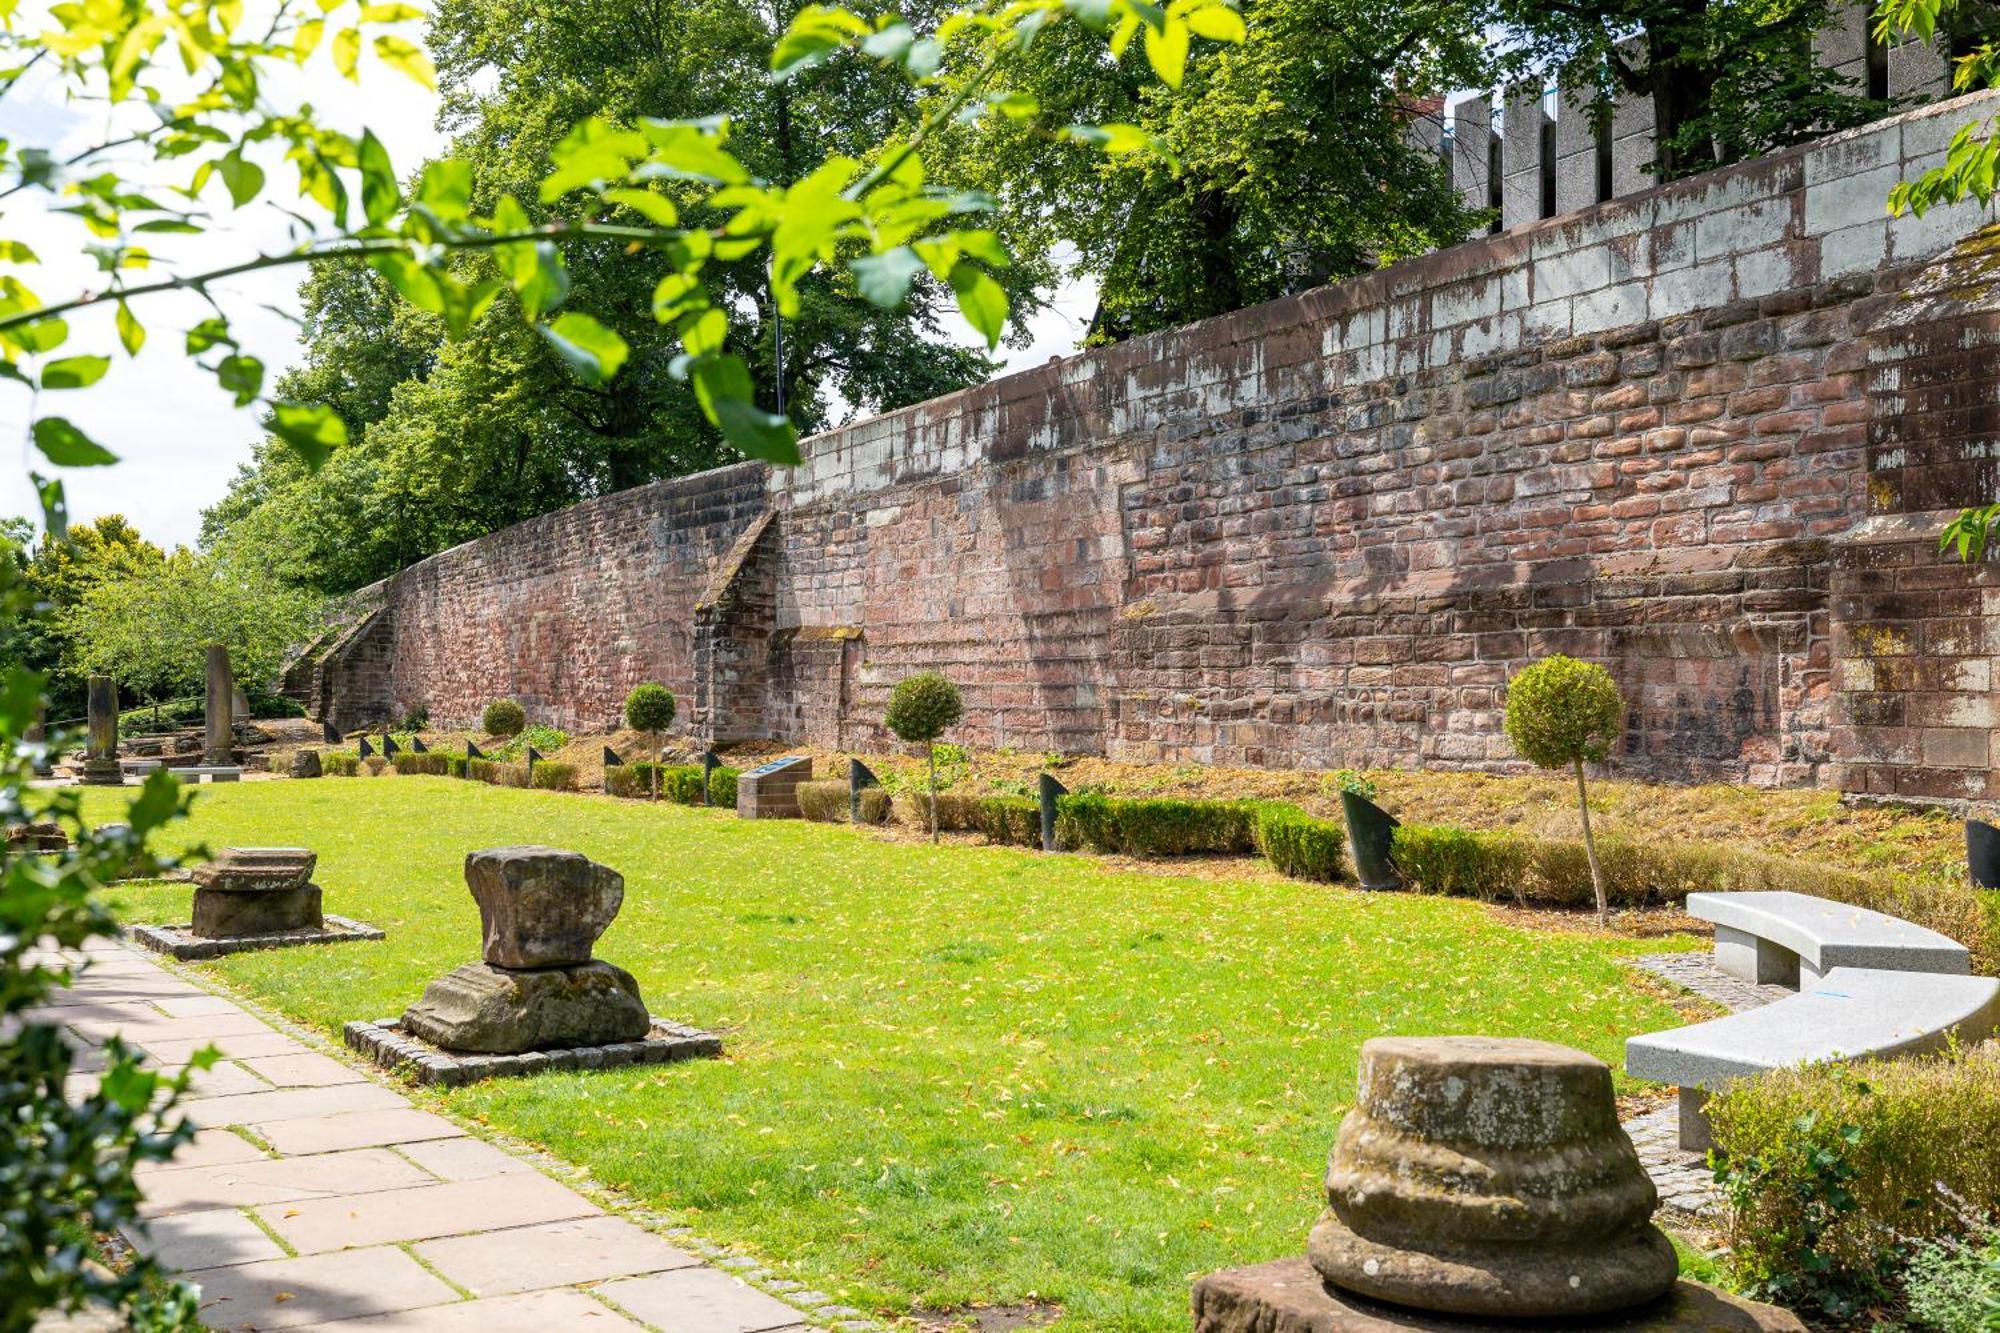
<point>1684,1179</point>
<point>182,943</point>
<point>386,1043</point>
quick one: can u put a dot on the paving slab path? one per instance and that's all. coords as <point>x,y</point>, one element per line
<point>316,1197</point>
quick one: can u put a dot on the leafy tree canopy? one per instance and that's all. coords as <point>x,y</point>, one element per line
<point>1283,162</point>
<point>454,438</point>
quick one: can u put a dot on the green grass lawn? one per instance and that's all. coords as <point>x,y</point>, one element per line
<point>954,1075</point>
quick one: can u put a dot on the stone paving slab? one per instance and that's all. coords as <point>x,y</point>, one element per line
<point>315,1197</point>
<point>285,1293</point>
<point>700,1298</point>
<point>556,1254</point>
<point>534,1312</point>
<point>440,1209</point>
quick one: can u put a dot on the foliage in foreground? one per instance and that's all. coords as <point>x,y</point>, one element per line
<point>955,1075</point>
<point>1834,1173</point>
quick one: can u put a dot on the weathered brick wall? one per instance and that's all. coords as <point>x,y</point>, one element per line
<point>566,612</point>
<point>1324,530</point>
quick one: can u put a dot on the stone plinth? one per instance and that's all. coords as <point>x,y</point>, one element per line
<point>220,731</point>
<point>540,907</point>
<point>771,791</point>
<point>1489,1176</point>
<point>304,764</point>
<point>247,891</point>
<point>1289,1296</point>
<point>496,1011</point>
<point>100,754</point>
<point>40,836</point>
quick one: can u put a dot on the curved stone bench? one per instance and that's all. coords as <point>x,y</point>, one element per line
<point>1789,939</point>
<point>1852,1013</point>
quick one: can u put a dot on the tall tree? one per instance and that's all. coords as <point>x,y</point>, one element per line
<point>453,438</point>
<point>59,572</point>
<point>1292,161</point>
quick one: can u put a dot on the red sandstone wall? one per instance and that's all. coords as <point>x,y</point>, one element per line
<point>1323,531</point>
<point>567,612</point>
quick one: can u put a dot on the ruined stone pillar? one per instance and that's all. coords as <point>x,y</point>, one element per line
<point>221,688</point>
<point>100,754</point>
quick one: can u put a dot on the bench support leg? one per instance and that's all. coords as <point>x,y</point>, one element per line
<point>1695,1136</point>
<point>1742,954</point>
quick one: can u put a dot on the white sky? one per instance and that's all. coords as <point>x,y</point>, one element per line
<point>177,435</point>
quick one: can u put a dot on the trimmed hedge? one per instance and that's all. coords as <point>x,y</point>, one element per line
<point>825,801</point>
<point>339,764</point>
<point>482,770</point>
<point>1014,821</point>
<point>376,765</point>
<point>429,762</point>
<point>681,783</point>
<point>958,812</point>
<point>1832,1170</point>
<point>632,781</point>
<point>875,805</point>
<point>1300,846</point>
<point>454,765</point>
<point>512,775</point>
<point>1157,826</point>
<point>549,775</point>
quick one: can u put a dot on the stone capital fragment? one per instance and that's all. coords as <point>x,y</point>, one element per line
<point>539,906</point>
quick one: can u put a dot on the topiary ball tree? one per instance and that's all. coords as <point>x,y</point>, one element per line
<point>649,707</point>
<point>921,709</point>
<point>504,717</point>
<point>1562,713</point>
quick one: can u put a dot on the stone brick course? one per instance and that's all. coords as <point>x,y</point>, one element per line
<point>1699,434</point>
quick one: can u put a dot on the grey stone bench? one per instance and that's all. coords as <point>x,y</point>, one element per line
<point>1790,939</point>
<point>1852,1013</point>
<point>185,772</point>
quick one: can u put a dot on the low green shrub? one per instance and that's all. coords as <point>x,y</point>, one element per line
<point>1301,846</point>
<point>1460,863</point>
<point>482,770</point>
<point>681,784</point>
<point>957,812</point>
<point>339,764</point>
<point>503,717</point>
<point>552,776</point>
<point>455,765</point>
<point>376,765</point>
<point>875,804</point>
<point>429,762</point>
<point>824,801</point>
<point>1156,825</point>
<point>721,788</point>
<point>633,781</point>
<point>1014,821</point>
<point>1833,1172</point>
<point>512,775</point>
<point>1953,1285</point>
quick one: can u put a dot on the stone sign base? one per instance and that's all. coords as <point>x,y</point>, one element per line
<point>389,1044</point>
<point>1288,1296</point>
<point>181,942</point>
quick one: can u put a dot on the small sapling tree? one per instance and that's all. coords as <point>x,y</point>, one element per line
<point>922,708</point>
<point>649,707</point>
<point>1562,713</point>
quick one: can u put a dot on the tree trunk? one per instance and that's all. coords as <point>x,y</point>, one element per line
<point>1590,850</point>
<point>931,747</point>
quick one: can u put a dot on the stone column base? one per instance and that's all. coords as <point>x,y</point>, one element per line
<point>102,773</point>
<point>1288,1297</point>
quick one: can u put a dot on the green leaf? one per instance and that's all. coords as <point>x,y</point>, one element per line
<point>241,375</point>
<point>66,446</point>
<point>312,429</point>
<point>55,507</point>
<point>446,189</point>
<point>211,332</point>
<point>594,352</point>
<point>1092,14</point>
<point>655,208</point>
<point>704,331</point>
<point>131,332</point>
<point>1167,50</point>
<point>687,151</point>
<point>380,195</point>
<point>44,335</point>
<point>1218,23</point>
<point>981,300</point>
<point>243,178</point>
<point>75,372</point>
<point>885,279</point>
<point>401,53</point>
<point>347,52</point>
<point>673,294</point>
